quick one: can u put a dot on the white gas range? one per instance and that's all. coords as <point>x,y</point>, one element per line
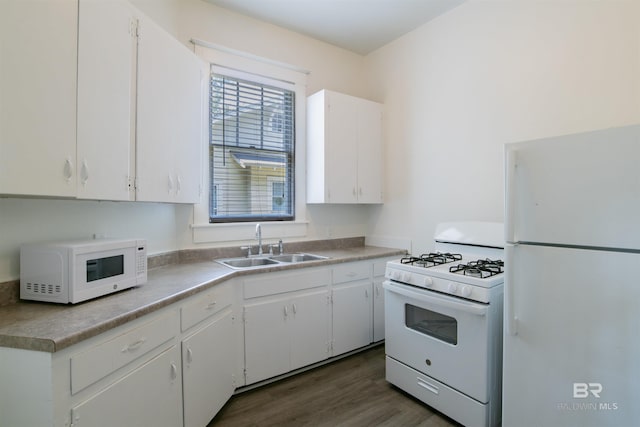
<point>443,323</point>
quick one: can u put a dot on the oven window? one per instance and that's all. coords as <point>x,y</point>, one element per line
<point>431,323</point>
<point>105,267</point>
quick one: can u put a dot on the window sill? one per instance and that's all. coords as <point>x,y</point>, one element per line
<point>210,233</point>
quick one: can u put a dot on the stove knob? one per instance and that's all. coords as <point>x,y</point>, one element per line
<point>406,277</point>
<point>427,282</point>
<point>394,275</point>
<point>465,291</point>
<point>452,288</point>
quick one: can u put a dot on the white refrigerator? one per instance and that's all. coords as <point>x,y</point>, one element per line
<point>572,282</point>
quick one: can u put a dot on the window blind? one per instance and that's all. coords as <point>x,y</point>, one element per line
<point>251,151</point>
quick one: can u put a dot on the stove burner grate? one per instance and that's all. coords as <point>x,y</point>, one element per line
<point>481,268</point>
<point>431,259</point>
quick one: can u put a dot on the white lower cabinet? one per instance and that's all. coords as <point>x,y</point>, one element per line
<point>208,353</point>
<point>208,366</point>
<point>285,333</point>
<point>150,395</point>
<point>352,307</point>
<point>286,322</point>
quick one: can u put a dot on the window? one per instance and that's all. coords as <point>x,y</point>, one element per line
<point>251,151</point>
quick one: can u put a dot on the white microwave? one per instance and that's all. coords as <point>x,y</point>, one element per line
<point>75,271</point>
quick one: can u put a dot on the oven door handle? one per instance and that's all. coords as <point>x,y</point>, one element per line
<point>467,307</point>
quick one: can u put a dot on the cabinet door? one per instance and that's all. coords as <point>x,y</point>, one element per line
<point>148,396</point>
<point>309,320</point>
<point>352,306</point>
<point>169,118</point>
<point>208,360</point>
<point>369,152</point>
<point>266,339</point>
<point>106,78</point>
<point>341,148</point>
<point>38,51</point>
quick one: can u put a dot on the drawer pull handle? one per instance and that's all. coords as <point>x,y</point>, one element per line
<point>212,305</point>
<point>189,355</point>
<point>433,389</point>
<point>352,274</point>
<point>133,346</point>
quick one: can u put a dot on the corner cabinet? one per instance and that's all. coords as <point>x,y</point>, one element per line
<point>169,118</point>
<point>344,149</point>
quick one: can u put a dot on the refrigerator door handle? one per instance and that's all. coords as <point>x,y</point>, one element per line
<point>510,162</point>
<point>511,319</point>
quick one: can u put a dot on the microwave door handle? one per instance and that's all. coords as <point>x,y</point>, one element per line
<point>471,308</point>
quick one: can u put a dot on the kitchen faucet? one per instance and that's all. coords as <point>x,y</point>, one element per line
<point>259,237</point>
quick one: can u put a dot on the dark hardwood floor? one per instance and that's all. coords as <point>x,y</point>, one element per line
<point>348,392</point>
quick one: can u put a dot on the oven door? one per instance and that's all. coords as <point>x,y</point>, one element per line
<point>444,337</point>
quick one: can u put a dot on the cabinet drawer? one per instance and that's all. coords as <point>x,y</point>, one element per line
<point>351,272</point>
<point>100,360</point>
<point>205,305</point>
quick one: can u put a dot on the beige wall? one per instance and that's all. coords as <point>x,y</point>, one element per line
<point>487,73</point>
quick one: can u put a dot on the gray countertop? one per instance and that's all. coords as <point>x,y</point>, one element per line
<point>49,327</point>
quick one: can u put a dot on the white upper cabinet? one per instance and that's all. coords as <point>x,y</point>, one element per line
<point>106,100</point>
<point>38,52</point>
<point>169,128</point>
<point>137,131</point>
<point>344,149</point>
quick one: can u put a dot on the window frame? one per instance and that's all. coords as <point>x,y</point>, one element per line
<point>229,61</point>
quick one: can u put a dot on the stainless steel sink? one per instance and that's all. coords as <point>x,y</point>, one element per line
<point>248,262</point>
<point>297,257</point>
<point>268,260</point>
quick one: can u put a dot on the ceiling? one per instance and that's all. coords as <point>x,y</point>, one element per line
<point>360,26</point>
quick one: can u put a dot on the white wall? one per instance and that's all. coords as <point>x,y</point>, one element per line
<point>487,73</point>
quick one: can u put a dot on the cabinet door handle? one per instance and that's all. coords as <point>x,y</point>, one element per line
<point>377,291</point>
<point>84,173</point>
<point>354,191</point>
<point>286,311</point>
<point>178,184</point>
<point>174,371</point>
<point>295,310</point>
<point>169,183</point>
<point>68,169</point>
<point>189,355</point>
<point>366,293</point>
<point>212,305</point>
